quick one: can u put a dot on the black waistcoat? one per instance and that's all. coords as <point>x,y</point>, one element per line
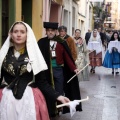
<point>15,73</point>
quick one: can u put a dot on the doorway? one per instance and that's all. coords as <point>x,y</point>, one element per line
<point>27,11</point>
<point>5,19</point>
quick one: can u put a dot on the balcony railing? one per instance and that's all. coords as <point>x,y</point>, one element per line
<point>76,0</point>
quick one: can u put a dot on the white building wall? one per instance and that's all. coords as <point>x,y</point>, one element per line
<point>88,16</point>
<point>69,17</point>
<point>74,16</point>
<point>77,16</point>
<point>66,19</point>
<point>114,12</point>
<point>82,17</point>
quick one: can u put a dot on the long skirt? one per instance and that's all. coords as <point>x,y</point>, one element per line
<point>95,59</point>
<point>80,63</point>
<point>31,106</point>
<point>112,60</point>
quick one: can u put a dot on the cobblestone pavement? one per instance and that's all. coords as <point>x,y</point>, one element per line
<point>103,90</point>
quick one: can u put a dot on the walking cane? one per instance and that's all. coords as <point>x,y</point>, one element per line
<point>78,73</point>
<point>67,104</point>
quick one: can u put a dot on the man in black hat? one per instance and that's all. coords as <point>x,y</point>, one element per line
<point>61,66</point>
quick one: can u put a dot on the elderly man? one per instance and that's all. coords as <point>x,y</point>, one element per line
<point>60,63</point>
<point>70,41</point>
<point>87,36</point>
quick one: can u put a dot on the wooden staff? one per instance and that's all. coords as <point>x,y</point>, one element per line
<point>67,104</point>
<point>78,73</point>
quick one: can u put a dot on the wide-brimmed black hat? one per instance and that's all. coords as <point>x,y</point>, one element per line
<point>52,25</point>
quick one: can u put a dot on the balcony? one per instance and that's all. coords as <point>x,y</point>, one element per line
<point>109,24</point>
<point>76,0</point>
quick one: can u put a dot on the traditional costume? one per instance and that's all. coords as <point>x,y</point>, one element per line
<point>71,45</point>
<point>112,56</point>
<point>95,45</point>
<point>21,80</point>
<point>82,58</point>
<point>60,58</point>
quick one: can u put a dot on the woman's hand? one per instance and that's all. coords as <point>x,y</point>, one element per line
<point>80,41</point>
<point>63,99</point>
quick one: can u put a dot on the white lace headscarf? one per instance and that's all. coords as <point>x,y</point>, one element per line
<point>97,37</point>
<point>37,61</point>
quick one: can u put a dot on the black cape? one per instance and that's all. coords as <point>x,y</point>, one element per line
<point>71,89</point>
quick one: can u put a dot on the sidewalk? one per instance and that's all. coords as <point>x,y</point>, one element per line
<point>103,90</point>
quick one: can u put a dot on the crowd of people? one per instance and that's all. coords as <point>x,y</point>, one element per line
<point>105,49</point>
<point>34,76</point>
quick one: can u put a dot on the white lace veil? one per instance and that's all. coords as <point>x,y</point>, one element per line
<point>37,61</point>
<point>97,37</point>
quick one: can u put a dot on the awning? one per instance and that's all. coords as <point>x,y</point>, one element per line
<point>111,22</point>
<point>96,0</point>
<point>60,2</point>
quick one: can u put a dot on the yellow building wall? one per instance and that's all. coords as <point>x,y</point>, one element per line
<point>18,10</point>
<point>37,22</point>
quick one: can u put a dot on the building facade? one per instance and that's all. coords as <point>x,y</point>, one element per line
<point>89,21</point>
<point>71,13</point>
<point>29,11</point>
<point>112,19</point>
<point>52,11</point>
<point>82,17</point>
<point>77,14</point>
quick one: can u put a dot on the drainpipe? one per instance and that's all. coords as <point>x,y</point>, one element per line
<point>50,1</point>
<point>62,12</point>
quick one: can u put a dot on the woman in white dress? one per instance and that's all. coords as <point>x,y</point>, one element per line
<point>95,46</point>
<point>22,78</point>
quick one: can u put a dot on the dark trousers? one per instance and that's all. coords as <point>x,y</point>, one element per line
<point>58,79</point>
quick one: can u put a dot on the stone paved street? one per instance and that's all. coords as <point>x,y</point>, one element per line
<point>103,90</point>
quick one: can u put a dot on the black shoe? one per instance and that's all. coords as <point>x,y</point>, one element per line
<point>91,70</point>
<point>117,73</point>
<point>60,111</point>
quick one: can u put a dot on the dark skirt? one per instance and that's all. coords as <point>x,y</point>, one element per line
<point>71,89</point>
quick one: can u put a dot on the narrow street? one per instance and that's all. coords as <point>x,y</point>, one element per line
<point>104,96</point>
<point>43,43</point>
